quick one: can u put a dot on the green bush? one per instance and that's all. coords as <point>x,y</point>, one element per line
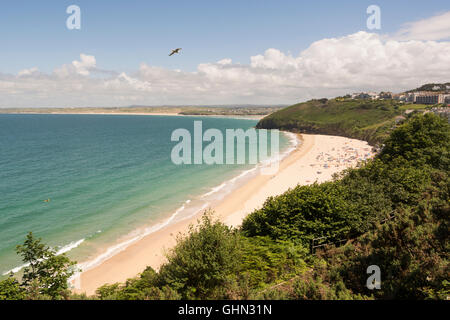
<point>10,289</point>
<point>425,139</point>
<point>303,213</point>
<point>411,251</point>
<point>203,261</point>
<point>265,261</point>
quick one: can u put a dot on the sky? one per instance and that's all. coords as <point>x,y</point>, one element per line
<point>233,52</point>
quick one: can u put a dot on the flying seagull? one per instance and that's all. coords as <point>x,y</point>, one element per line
<point>175,51</point>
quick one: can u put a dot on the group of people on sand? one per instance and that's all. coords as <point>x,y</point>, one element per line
<point>347,156</point>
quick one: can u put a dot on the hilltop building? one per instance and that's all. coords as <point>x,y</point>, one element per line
<point>430,98</point>
<point>447,99</point>
<point>419,97</point>
<point>386,95</point>
<point>365,95</point>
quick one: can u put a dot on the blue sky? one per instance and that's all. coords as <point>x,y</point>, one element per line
<point>234,52</point>
<point>123,34</point>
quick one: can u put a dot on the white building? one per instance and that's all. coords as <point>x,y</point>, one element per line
<point>447,98</point>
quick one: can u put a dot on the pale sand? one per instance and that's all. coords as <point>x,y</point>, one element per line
<point>305,165</point>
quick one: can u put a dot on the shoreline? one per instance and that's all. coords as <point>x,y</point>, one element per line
<point>106,252</point>
<point>170,114</point>
<point>188,210</point>
<point>300,166</point>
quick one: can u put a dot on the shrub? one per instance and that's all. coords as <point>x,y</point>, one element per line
<point>203,261</point>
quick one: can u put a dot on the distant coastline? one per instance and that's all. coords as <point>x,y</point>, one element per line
<point>255,112</point>
<point>167,114</point>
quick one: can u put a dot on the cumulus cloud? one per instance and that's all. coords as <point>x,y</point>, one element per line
<point>28,72</point>
<point>327,68</point>
<point>82,67</point>
<point>434,28</point>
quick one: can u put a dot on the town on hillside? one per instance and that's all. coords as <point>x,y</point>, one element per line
<point>429,94</point>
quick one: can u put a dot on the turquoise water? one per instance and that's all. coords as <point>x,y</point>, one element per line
<point>105,176</point>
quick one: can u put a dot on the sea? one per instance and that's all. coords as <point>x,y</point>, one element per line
<point>90,185</point>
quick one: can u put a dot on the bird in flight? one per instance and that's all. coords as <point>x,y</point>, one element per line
<point>175,51</point>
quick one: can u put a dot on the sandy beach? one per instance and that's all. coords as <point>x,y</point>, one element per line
<point>317,158</point>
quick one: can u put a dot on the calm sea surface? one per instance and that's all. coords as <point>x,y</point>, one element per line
<point>105,176</point>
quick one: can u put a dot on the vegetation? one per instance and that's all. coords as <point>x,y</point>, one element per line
<point>401,220</point>
<point>392,212</point>
<point>424,141</point>
<point>45,275</point>
<point>201,265</point>
<point>368,120</point>
<point>10,289</point>
<point>415,106</point>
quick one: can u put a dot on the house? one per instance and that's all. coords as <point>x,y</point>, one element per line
<point>385,95</point>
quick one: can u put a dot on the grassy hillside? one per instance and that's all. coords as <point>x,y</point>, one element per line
<point>361,119</point>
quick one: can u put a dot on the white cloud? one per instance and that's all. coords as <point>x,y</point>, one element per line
<point>83,67</point>
<point>434,28</point>
<point>328,67</point>
<point>28,72</point>
<point>123,81</point>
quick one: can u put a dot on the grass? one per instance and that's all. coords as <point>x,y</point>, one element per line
<point>414,107</point>
<point>369,120</point>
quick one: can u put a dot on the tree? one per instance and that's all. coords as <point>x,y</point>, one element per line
<point>201,264</point>
<point>422,140</point>
<point>108,291</point>
<point>46,272</point>
<point>304,213</point>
